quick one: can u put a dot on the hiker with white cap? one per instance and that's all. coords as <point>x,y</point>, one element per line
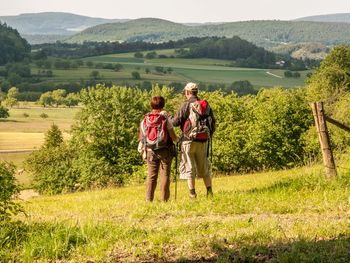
<point>197,122</point>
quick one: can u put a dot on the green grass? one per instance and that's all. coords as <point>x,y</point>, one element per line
<point>17,122</point>
<point>18,133</point>
<point>17,158</point>
<point>286,216</point>
<point>204,70</point>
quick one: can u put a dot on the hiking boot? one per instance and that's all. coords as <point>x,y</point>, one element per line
<point>193,194</point>
<point>209,192</point>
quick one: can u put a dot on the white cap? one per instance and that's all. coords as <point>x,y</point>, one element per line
<point>191,87</point>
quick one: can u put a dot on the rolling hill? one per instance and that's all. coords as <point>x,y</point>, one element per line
<point>338,18</point>
<point>54,25</point>
<point>262,33</point>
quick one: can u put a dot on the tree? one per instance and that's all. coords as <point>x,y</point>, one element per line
<point>118,67</point>
<point>89,64</point>
<point>8,189</point>
<point>288,74</point>
<point>4,113</point>
<point>13,47</point>
<point>296,75</point>
<point>138,55</point>
<point>159,69</point>
<point>242,87</point>
<point>151,55</point>
<point>53,137</point>
<point>2,96</point>
<point>135,75</point>
<point>11,99</point>
<point>51,168</point>
<point>14,78</point>
<point>58,96</point>
<point>95,74</point>
<point>46,99</point>
<point>332,79</point>
<point>147,70</point>
<point>71,100</point>
<point>105,134</point>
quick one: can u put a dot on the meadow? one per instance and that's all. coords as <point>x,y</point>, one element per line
<point>24,131</point>
<point>285,216</point>
<point>208,71</point>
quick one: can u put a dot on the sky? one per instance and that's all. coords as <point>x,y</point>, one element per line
<point>190,11</point>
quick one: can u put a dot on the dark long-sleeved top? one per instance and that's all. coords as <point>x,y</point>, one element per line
<point>184,112</point>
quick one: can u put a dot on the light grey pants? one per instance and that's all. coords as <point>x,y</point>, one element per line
<point>194,160</point>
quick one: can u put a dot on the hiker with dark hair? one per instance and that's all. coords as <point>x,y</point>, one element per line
<point>156,145</point>
<point>197,122</point>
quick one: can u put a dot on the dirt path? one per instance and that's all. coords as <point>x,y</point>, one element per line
<point>274,75</point>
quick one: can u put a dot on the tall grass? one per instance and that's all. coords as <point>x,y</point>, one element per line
<point>286,216</point>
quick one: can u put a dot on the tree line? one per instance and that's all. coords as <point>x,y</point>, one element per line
<point>12,46</point>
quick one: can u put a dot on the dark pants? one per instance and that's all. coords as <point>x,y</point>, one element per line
<point>160,159</point>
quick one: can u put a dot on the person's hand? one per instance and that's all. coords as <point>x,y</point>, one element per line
<point>165,114</point>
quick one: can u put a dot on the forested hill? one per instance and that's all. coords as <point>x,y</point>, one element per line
<point>261,33</point>
<point>338,18</point>
<point>13,47</point>
<point>53,23</point>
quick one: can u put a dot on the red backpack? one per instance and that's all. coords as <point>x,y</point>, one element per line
<point>198,126</point>
<point>153,131</point>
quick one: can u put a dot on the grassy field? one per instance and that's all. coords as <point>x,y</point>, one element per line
<point>20,134</point>
<point>209,71</point>
<point>286,216</point>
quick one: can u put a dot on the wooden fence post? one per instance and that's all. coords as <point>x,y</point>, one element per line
<point>323,136</point>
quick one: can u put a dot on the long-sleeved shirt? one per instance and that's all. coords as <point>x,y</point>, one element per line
<point>184,112</point>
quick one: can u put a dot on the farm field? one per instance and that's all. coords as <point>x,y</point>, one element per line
<point>202,70</point>
<point>19,135</point>
<point>286,216</point>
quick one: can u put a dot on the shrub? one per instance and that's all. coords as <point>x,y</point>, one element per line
<point>51,169</point>
<point>135,75</point>
<point>4,112</point>
<point>44,115</point>
<point>105,134</point>
<point>8,189</point>
<point>151,55</point>
<point>138,55</point>
<point>53,137</point>
<point>25,115</point>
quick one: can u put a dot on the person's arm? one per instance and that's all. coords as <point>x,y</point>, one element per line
<point>173,135</point>
<point>179,117</point>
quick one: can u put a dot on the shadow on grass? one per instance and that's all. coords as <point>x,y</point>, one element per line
<point>5,120</point>
<point>322,251</point>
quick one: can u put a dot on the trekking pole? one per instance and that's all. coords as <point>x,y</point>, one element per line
<point>211,150</point>
<point>177,144</point>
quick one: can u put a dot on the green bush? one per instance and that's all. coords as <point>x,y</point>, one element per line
<point>8,188</point>
<point>51,169</point>
<point>259,132</point>
<point>4,112</point>
<point>106,134</point>
<point>44,115</point>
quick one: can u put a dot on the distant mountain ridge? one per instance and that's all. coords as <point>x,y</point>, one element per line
<point>49,27</point>
<point>53,23</point>
<point>337,18</point>
<point>262,33</point>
